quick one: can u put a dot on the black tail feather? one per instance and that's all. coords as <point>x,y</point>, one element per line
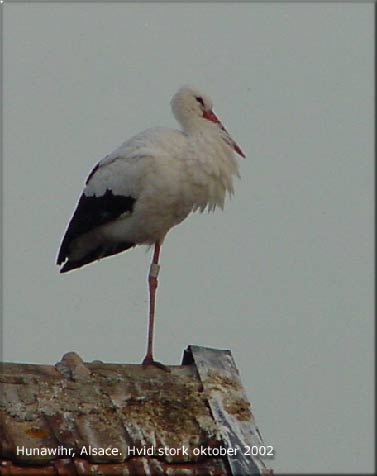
<point>92,212</point>
<point>96,254</point>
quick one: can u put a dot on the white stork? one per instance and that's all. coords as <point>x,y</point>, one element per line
<point>148,185</point>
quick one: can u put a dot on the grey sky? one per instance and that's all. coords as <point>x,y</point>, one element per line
<point>282,277</point>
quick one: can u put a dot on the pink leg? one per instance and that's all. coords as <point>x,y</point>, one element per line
<point>153,283</point>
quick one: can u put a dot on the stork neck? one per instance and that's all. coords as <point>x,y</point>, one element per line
<point>195,129</point>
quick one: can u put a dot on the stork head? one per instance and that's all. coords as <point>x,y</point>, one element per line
<point>193,110</point>
<point>189,104</point>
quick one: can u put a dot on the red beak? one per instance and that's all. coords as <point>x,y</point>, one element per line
<point>211,116</point>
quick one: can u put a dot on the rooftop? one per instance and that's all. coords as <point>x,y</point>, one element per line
<point>78,418</point>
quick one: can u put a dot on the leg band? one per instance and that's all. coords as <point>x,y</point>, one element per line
<point>154,270</point>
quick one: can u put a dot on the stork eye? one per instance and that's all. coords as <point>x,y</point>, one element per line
<point>200,100</point>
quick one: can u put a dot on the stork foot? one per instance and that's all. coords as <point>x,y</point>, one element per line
<point>149,361</point>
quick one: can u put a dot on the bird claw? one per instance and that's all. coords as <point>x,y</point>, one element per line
<point>149,361</point>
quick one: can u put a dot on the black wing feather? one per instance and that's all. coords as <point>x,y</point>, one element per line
<point>92,212</point>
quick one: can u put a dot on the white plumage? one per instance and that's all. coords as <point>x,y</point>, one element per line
<point>151,183</point>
